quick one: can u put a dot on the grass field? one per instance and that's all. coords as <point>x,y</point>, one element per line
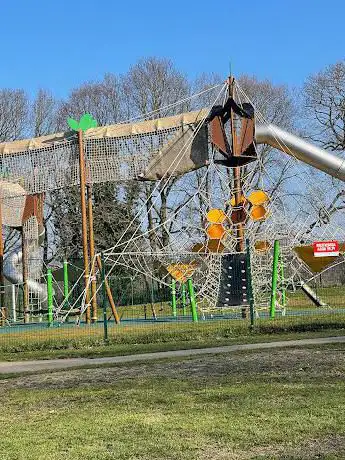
<point>281,404</point>
<point>333,296</point>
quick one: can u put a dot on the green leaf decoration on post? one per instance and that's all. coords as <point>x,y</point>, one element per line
<point>73,124</point>
<point>86,122</point>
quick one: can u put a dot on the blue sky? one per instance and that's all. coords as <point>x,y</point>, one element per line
<point>58,45</point>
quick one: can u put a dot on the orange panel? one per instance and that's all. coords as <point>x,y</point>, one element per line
<point>215,246</point>
<point>258,197</point>
<point>181,272</point>
<point>216,216</point>
<point>215,231</point>
<point>258,213</point>
<point>198,247</point>
<point>262,246</point>
<point>211,246</point>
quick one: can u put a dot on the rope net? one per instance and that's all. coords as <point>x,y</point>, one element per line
<point>194,219</point>
<point>281,199</point>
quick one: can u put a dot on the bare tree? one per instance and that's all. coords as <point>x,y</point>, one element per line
<point>112,204</point>
<point>43,114</point>
<point>210,85</point>
<point>43,120</point>
<point>102,99</point>
<point>273,104</point>
<point>154,86</point>
<point>324,103</point>
<point>13,114</point>
<point>324,97</point>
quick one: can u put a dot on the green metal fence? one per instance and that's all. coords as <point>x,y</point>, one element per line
<point>152,311</point>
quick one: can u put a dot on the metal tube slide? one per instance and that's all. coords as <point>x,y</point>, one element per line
<point>309,292</point>
<point>13,272</point>
<point>301,149</point>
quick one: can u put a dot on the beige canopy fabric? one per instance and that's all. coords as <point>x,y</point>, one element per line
<point>145,150</point>
<point>13,203</point>
<point>118,130</point>
<point>185,152</point>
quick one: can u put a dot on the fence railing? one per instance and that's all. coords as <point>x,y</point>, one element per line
<point>149,311</point>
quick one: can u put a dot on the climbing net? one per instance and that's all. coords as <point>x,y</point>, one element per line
<point>194,211</point>
<point>280,199</point>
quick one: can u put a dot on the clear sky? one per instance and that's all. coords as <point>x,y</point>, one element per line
<point>58,45</point>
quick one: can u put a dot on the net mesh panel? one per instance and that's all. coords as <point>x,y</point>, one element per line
<point>13,203</point>
<point>124,158</point>
<point>44,169</point>
<point>109,159</point>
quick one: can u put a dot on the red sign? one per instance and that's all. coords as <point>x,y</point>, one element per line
<point>326,248</point>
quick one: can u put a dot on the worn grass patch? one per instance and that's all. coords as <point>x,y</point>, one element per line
<point>277,404</point>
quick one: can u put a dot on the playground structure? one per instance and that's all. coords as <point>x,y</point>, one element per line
<point>236,236</point>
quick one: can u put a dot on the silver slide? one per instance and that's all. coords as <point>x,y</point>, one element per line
<point>13,268</point>
<point>301,149</point>
<point>14,273</point>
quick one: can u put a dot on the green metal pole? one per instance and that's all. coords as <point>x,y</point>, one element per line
<point>65,283</point>
<point>276,251</point>
<point>173,298</point>
<point>193,305</point>
<point>282,281</point>
<point>183,296</point>
<point>250,286</point>
<point>104,301</point>
<point>50,296</point>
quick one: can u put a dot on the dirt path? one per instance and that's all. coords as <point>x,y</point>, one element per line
<point>46,365</point>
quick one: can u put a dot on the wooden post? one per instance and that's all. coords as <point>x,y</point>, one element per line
<point>104,301</point>
<point>108,291</point>
<point>25,278</point>
<point>92,255</point>
<point>237,172</point>
<point>2,279</point>
<point>84,222</point>
<point>50,296</point>
<point>237,181</point>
